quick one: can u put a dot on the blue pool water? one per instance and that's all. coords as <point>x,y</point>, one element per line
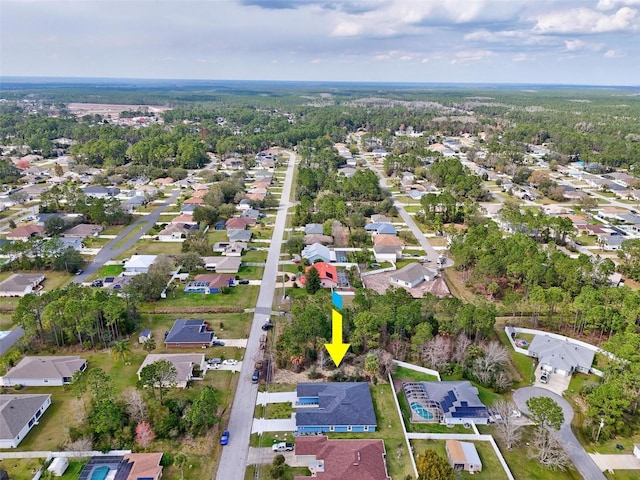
<point>420,410</point>
<point>100,473</point>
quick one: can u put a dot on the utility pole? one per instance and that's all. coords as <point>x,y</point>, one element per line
<point>599,429</point>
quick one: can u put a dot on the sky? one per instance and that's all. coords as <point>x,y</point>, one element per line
<point>584,42</point>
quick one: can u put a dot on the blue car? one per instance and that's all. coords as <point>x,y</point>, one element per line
<point>224,439</point>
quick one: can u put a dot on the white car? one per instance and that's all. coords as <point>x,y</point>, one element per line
<point>229,361</point>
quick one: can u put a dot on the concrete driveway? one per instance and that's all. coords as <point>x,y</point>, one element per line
<point>276,397</point>
<point>264,455</point>
<point>261,425</point>
<point>581,460</point>
<point>556,383</point>
<point>608,462</point>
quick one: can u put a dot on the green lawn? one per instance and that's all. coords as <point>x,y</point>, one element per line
<point>22,468</point>
<point>251,273</point>
<point>522,364</point>
<point>153,247</point>
<point>243,296</point>
<point>408,375</point>
<point>110,271</point>
<point>113,230</point>
<point>491,467</point>
<point>254,256</point>
<point>215,236</point>
<point>263,472</point>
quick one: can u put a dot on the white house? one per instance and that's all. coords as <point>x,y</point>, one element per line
<point>561,356</point>
<point>412,275</point>
<point>183,363</point>
<point>138,264</point>
<point>41,371</point>
<point>20,284</point>
<point>18,415</point>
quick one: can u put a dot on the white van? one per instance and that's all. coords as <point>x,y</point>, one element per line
<point>282,447</point>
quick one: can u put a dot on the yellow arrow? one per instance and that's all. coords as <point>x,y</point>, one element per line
<point>336,348</point>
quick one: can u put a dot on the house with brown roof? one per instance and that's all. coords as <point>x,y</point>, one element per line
<point>163,181</point>
<point>327,272</point>
<point>83,230</point>
<point>20,284</point>
<point>256,197</point>
<point>176,232</point>
<point>387,240</point>
<point>342,459</point>
<point>239,223</point>
<point>25,232</point>
<point>41,371</point>
<point>193,201</point>
<point>184,218</point>
<point>463,456</point>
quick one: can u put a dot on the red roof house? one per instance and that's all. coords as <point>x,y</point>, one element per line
<point>328,274</point>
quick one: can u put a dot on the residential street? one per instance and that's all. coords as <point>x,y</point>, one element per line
<point>141,226</point>
<point>581,460</point>
<point>235,454</point>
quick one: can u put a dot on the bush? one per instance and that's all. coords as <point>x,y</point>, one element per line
<point>166,460</point>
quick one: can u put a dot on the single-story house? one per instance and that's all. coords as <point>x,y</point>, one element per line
<point>239,235</point>
<point>230,249</point>
<point>73,242</point>
<point>144,336</point>
<point>210,282</point>
<point>8,338</point>
<point>256,197</point>
<point>176,232</point>
<point>20,284</point>
<point>463,456</point>
<point>194,201</point>
<point>313,229</point>
<point>327,272</point>
<point>40,371</point>
<point>133,466</point>
<point>334,407</point>
<point>130,204</point>
<point>561,356</point>
<point>189,333</point>
<point>312,238</point>
<point>239,223</point>
<point>184,219</point>
<point>18,415</point>
<point>244,204</point>
<point>317,251</point>
<point>184,364</point>
<point>163,181</point>
<point>98,191</point>
<point>83,230</point>
<point>25,232</point>
<point>381,229</point>
<point>387,253</point>
<point>387,240</point>
<point>412,275</point>
<point>222,264</point>
<point>611,242</point>
<point>341,459</point>
<point>138,264</point>
<point>451,403</point>
<point>251,213</point>
<point>187,209</point>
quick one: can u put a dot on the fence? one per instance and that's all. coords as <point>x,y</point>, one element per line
<point>416,368</point>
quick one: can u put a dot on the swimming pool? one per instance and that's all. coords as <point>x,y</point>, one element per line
<point>100,473</point>
<point>420,410</point>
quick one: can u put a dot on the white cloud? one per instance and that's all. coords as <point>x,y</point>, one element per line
<point>606,5</point>
<point>472,56</point>
<point>613,54</point>
<point>578,45</point>
<point>521,57</point>
<point>584,20</point>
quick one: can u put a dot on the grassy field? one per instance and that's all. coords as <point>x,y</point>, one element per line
<point>491,468</point>
<point>23,468</point>
<point>152,247</point>
<point>522,364</point>
<point>408,375</point>
<point>262,471</point>
<point>243,296</point>
<point>254,256</point>
<point>110,271</point>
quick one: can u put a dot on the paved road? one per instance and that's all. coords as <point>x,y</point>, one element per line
<point>140,226</point>
<point>581,460</point>
<point>431,253</point>
<point>235,454</point>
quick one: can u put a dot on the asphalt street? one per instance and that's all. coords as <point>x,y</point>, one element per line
<point>140,226</point>
<point>234,455</point>
<point>581,460</point>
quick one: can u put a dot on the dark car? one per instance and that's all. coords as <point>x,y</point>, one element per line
<point>267,326</point>
<point>255,377</point>
<point>224,438</point>
<point>217,343</point>
<point>80,272</point>
<point>243,282</point>
<point>96,283</point>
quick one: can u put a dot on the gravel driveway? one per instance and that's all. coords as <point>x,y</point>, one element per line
<point>581,460</point>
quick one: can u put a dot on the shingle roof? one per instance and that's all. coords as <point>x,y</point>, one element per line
<point>412,272</point>
<point>457,398</point>
<point>183,362</point>
<point>313,229</point>
<point>18,282</point>
<point>463,452</point>
<point>189,331</point>
<point>46,367</point>
<point>236,235</point>
<point>16,411</point>
<point>26,231</point>
<point>345,459</point>
<point>316,249</point>
<point>346,403</point>
<point>560,354</point>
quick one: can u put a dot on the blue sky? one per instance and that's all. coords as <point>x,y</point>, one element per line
<point>507,41</point>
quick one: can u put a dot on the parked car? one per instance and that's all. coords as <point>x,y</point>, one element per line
<point>282,447</point>
<point>224,438</point>
<point>230,361</point>
<point>267,326</point>
<point>243,282</point>
<point>544,378</point>
<point>217,343</point>
<point>255,377</point>
<point>80,272</point>
<point>97,283</point>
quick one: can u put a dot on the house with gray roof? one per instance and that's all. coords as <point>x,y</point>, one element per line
<point>189,333</point>
<point>317,251</point>
<point>44,371</point>
<point>98,191</point>
<point>83,230</point>
<point>450,403</point>
<point>313,229</point>
<point>236,235</point>
<point>183,363</point>
<point>250,213</point>
<point>380,228</point>
<point>561,356</point>
<point>334,407</point>
<point>412,275</point>
<point>20,284</point>
<point>18,415</point>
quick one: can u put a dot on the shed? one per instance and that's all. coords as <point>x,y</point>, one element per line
<point>463,456</point>
<point>636,450</point>
<point>144,336</point>
<point>58,466</point>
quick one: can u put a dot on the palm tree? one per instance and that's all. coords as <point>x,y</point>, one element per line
<point>121,350</point>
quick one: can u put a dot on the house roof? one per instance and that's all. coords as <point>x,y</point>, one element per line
<point>163,181</point>
<point>183,219</point>
<point>175,228</point>
<point>560,354</point>
<point>217,280</point>
<point>140,261</point>
<point>238,223</point>
<point>16,411</point>
<point>189,331</point>
<point>317,238</point>
<point>236,235</point>
<point>46,367</point>
<point>193,200</point>
<point>220,263</point>
<point>145,465</point>
<point>183,362</point>
<point>376,218</point>
<point>83,230</point>
<point>18,282</point>
<point>188,208</point>
<point>313,229</point>
<point>412,273</point>
<point>347,403</point>
<point>24,231</point>
<point>344,459</point>
<point>379,240</point>
<point>250,213</point>
<point>325,270</point>
<point>458,399</point>
<point>463,452</point>
<point>316,249</point>
<point>145,333</point>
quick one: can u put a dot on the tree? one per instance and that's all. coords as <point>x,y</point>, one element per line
<point>159,375</point>
<point>372,365</point>
<point>313,283</point>
<point>202,414</point>
<point>149,345</point>
<point>190,262</point>
<point>148,285</point>
<point>121,350</point>
<point>70,260</point>
<point>549,451</point>
<point>545,412</point>
<point>134,404</point>
<point>54,225</point>
<point>508,428</point>
<point>144,434</point>
<point>432,466</point>
<point>180,461</point>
